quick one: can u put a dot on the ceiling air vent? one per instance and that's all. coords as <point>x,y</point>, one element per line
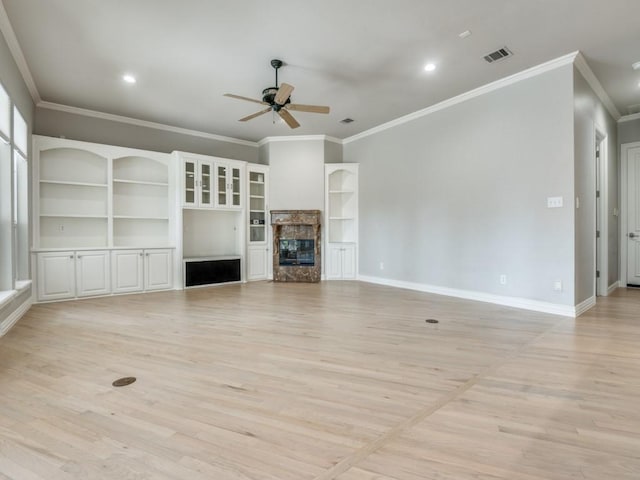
<point>498,55</point>
<point>633,109</point>
<point>346,120</point>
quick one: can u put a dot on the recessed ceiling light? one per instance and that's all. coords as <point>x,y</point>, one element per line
<point>636,66</point>
<point>129,78</point>
<point>430,67</point>
<point>465,34</point>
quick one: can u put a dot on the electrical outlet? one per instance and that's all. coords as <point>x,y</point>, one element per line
<point>503,279</point>
<point>381,265</point>
<point>557,285</point>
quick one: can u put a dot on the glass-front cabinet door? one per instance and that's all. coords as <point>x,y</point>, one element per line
<point>189,193</point>
<point>235,187</point>
<point>206,174</point>
<point>257,205</point>
<point>221,176</point>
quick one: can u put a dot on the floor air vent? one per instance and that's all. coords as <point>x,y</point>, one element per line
<point>498,55</point>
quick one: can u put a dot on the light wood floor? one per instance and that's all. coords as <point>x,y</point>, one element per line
<point>338,381</point>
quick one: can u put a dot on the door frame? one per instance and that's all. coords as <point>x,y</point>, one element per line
<point>601,208</point>
<point>624,171</point>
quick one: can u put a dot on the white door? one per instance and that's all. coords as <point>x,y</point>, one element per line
<point>158,274</point>
<point>127,271</point>
<point>56,276</point>
<point>92,273</point>
<point>633,217</point>
<point>257,268</point>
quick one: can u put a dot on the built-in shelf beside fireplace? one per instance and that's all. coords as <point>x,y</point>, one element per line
<point>296,245</point>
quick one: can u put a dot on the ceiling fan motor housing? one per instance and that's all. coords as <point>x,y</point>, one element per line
<point>269,95</point>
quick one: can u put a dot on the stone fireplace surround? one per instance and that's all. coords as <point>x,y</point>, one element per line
<point>296,225</point>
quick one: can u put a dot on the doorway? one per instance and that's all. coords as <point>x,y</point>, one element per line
<point>630,232</point>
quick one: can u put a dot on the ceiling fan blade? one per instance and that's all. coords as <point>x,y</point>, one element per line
<point>254,115</point>
<point>287,117</point>
<point>297,107</point>
<point>284,92</point>
<point>239,97</point>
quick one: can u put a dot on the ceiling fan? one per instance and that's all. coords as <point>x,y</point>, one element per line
<point>278,100</point>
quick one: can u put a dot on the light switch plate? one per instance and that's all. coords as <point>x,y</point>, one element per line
<point>554,202</point>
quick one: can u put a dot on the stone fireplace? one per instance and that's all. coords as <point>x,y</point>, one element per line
<point>296,245</point>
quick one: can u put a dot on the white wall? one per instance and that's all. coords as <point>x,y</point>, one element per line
<point>458,197</point>
<point>296,175</point>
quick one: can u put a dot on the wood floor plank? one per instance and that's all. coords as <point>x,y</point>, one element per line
<point>319,381</point>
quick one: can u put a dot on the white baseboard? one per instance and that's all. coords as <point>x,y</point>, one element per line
<point>613,287</point>
<point>584,306</point>
<point>515,302</point>
<point>12,319</point>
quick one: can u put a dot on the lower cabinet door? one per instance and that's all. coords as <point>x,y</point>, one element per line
<point>56,275</point>
<point>126,271</point>
<point>334,262</point>
<point>158,271</point>
<point>92,273</point>
<point>349,262</point>
<point>257,263</point>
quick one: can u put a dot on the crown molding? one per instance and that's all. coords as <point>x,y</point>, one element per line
<point>583,67</point>
<point>16,52</point>
<point>629,118</point>
<point>142,123</point>
<point>299,138</point>
<point>490,87</point>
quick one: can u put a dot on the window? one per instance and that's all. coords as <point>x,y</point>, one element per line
<point>14,199</point>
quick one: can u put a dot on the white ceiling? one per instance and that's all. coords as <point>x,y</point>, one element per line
<point>364,58</point>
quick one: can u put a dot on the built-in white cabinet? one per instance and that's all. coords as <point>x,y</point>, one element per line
<point>258,251</point>
<point>70,274</point>
<point>340,261</point>
<point>341,221</point>
<point>141,270</point>
<point>197,178</point>
<point>92,200</point>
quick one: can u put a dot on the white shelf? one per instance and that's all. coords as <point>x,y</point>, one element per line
<point>64,215</point>
<point>341,218</point>
<point>256,226</point>
<point>136,182</point>
<point>256,196</point>
<point>341,191</point>
<point>76,184</point>
<point>136,217</point>
<point>255,182</point>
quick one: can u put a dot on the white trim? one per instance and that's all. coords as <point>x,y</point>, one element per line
<point>515,302</point>
<point>629,118</point>
<point>584,306</point>
<point>141,123</point>
<point>613,287</point>
<point>17,314</point>
<point>583,67</point>
<point>602,171</point>
<point>490,87</point>
<point>16,52</point>
<point>299,138</point>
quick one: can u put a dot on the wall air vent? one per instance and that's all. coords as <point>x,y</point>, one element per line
<point>633,109</point>
<point>346,120</point>
<point>498,55</point>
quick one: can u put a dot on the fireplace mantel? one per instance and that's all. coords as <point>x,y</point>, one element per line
<point>295,225</point>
